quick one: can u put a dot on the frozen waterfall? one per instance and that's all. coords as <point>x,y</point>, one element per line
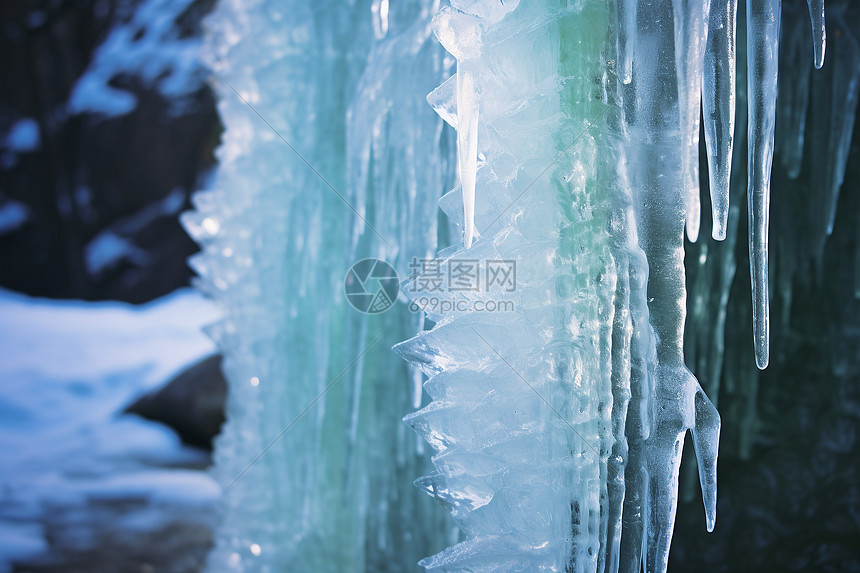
<point>568,134</point>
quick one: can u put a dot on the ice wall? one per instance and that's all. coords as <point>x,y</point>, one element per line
<point>617,465</point>
<point>557,427</point>
<point>576,415</point>
<point>522,418</point>
<point>324,112</point>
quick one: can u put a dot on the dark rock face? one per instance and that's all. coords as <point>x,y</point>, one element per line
<point>192,403</point>
<point>101,194</point>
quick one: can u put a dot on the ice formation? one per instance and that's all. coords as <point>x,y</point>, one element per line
<point>557,428</point>
<point>593,365</point>
<point>330,115</point>
<point>576,414</point>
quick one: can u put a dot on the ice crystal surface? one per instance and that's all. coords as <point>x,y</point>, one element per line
<point>556,428</point>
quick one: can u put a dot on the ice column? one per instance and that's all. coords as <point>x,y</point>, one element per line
<point>763,20</point>
<point>718,103</point>
<point>558,425</point>
<point>319,167</point>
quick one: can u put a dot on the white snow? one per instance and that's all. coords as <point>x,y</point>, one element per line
<point>108,249</point>
<point>23,136</point>
<point>148,47</point>
<point>68,369</point>
<point>20,540</point>
<point>13,214</point>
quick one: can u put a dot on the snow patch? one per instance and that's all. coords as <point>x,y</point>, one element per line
<point>149,47</point>
<point>108,249</point>
<point>19,541</point>
<point>24,136</point>
<point>69,368</point>
<point>13,215</point>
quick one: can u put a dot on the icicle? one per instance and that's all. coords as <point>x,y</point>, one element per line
<point>655,148</point>
<point>626,39</point>
<point>819,32</point>
<point>762,58</point>
<point>690,36</point>
<point>460,33</point>
<point>844,90</point>
<point>467,147</point>
<point>718,101</point>
<point>559,426</point>
<point>793,98</point>
<point>833,109</point>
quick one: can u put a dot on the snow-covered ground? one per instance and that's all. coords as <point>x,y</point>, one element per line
<point>67,370</point>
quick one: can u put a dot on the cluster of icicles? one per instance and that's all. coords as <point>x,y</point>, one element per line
<point>559,431</point>
<point>558,426</point>
<point>705,37</point>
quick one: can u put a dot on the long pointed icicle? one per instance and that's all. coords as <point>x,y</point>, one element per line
<point>467,147</point>
<point>846,76</point>
<point>718,101</point>
<point>793,99</point>
<point>819,32</point>
<point>763,17</point>
<point>656,147</point>
<point>626,39</point>
<point>460,34</point>
<point>691,31</point>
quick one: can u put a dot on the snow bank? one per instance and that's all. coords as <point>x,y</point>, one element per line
<point>68,368</point>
